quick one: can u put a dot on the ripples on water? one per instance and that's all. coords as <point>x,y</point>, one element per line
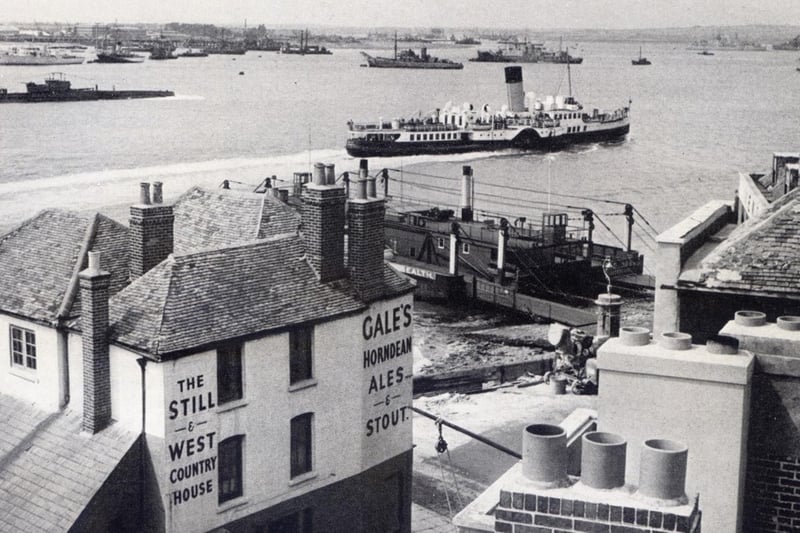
<point>697,121</point>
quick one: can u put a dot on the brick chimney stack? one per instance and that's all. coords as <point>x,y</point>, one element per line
<point>366,239</point>
<point>94,284</point>
<point>323,224</point>
<point>151,231</point>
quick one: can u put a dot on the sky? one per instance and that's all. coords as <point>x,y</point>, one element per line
<point>537,14</point>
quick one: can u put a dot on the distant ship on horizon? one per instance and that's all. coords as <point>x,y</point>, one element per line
<point>526,52</point>
<point>37,56</point>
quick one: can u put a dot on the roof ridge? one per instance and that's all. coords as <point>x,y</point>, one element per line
<point>260,215</point>
<point>72,287</point>
<point>29,220</point>
<point>163,308</point>
<point>220,249</point>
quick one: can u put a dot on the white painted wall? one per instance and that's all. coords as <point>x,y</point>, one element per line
<point>40,386</point>
<point>126,389</point>
<point>338,396</point>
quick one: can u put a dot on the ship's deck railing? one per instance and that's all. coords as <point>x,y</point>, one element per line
<point>406,125</point>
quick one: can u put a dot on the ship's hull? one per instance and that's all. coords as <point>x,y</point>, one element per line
<point>39,60</point>
<point>377,62</point>
<point>526,140</point>
<point>114,58</point>
<point>491,57</point>
<point>79,95</point>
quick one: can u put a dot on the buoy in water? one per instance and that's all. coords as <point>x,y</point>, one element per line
<point>241,73</point>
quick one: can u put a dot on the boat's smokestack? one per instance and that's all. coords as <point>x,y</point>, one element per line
<point>516,95</point>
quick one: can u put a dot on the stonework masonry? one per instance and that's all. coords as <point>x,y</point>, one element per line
<point>366,244</point>
<point>151,236</point>
<point>323,229</point>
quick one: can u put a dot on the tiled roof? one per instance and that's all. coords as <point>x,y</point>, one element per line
<point>40,259</point>
<point>760,255</point>
<point>219,218</point>
<point>49,470</point>
<point>199,299</point>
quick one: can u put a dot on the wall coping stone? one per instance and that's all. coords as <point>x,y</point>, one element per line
<point>696,363</point>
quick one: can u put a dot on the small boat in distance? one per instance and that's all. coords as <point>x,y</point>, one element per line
<point>705,53</point>
<point>56,88</point>
<point>641,60</point>
<point>526,122</point>
<point>37,56</point>
<point>409,59</point>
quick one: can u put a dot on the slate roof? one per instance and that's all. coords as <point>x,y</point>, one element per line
<point>49,470</point>
<point>196,300</point>
<point>760,255</point>
<point>219,218</point>
<point>40,259</point>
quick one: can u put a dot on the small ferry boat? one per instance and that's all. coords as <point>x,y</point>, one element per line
<point>58,89</point>
<point>527,122</point>
<point>37,56</point>
<point>409,59</point>
<point>705,53</point>
<point>641,60</point>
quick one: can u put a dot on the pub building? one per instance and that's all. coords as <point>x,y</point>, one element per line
<point>219,364</point>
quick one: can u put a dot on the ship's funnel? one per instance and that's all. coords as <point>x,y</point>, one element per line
<point>516,96</point>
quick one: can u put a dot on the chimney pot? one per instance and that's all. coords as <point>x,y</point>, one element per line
<point>544,455</point>
<point>319,174</point>
<point>750,318</point>
<point>330,174</point>
<point>94,261</point>
<point>634,336</point>
<point>662,471</point>
<point>157,192</point>
<point>603,460</point>
<point>144,193</point>
<point>361,189</point>
<point>675,340</point>
<point>789,323</point>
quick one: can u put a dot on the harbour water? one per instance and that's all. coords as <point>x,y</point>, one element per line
<point>696,121</point>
